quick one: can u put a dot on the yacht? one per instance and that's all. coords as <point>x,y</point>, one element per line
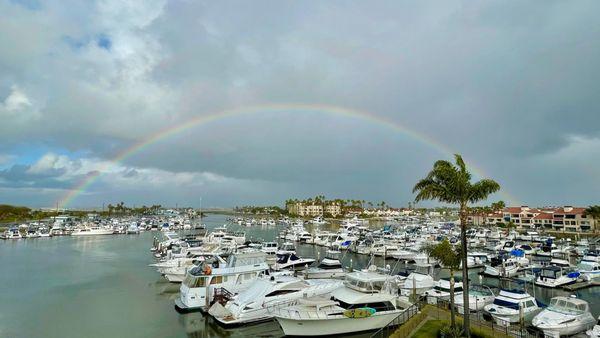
<point>595,331</point>
<point>441,291</point>
<point>91,231</point>
<point>565,316</point>
<point>419,281</point>
<point>270,248</point>
<point>553,276</point>
<point>290,260</point>
<point>502,268</point>
<point>133,229</point>
<point>235,274</point>
<point>589,267</point>
<point>267,293</point>
<point>509,305</point>
<point>329,267</point>
<point>479,297</point>
<point>32,233</point>
<point>365,302</point>
<point>12,233</point>
<point>318,220</point>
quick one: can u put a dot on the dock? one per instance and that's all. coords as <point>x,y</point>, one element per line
<point>581,285</point>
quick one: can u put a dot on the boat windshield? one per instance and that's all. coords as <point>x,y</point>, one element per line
<point>566,307</point>
<point>585,266</point>
<point>194,282</point>
<point>507,304</point>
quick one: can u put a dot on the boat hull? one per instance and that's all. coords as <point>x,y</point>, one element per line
<point>334,324</point>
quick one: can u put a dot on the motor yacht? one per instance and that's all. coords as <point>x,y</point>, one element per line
<point>553,276</point>
<point>589,267</point>
<point>239,271</point>
<point>133,229</point>
<point>502,268</point>
<point>258,302</point>
<point>365,302</point>
<point>595,331</point>
<point>291,261</point>
<point>565,316</point>
<point>419,281</point>
<point>32,233</point>
<point>12,233</point>
<point>479,297</point>
<point>510,305</point>
<point>329,267</point>
<point>91,231</point>
<point>270,248</point>
<point>441,291</point>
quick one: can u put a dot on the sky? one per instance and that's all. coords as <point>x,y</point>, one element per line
<point>511,85</point>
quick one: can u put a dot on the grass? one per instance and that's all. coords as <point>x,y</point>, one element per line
<point>431,328</point>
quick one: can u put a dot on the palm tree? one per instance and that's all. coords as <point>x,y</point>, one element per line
<point>449,257</point>
<point>594,212</point>
<point>451,183</point>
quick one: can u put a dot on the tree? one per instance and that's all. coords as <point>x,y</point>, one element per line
<point>449,257</point>
<point>498,206</point>
<point>451,183</point>
<point>593,211</point>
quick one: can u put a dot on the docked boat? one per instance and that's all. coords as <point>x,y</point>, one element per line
<point>32,233</point>
<point>502,268</point>
<point>235,274</point>
<point>258,302</point>
<point>364,303</point>
<point>595,331</point>
<point>589,267</point>
<point>12,233</point>
<point>565,316</point>
<point>91,231</point>
<point>553,276</point>
<point>291,261</point>
<point>479,297</point>
<point>270,248</point>
<point>133,229</point>
<point>329,267</point>
<point>441,291</point>
<point>510,305</point>
<point>418,281</point>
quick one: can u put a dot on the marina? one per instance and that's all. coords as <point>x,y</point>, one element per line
<point>106,277</point>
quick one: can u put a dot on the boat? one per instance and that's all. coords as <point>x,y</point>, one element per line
<point>510,305</point>
<point>270,248</point>
<point>565,316</point>
<point>133,229</point>
<point>329,267</point>
<point>12,233</point>
<point>291,261</point>
<point>419,281</point>
<point>238,272</point>
<point>502,268</point>
<point>479,297</point>
<point>258,302</point>
<point>366,302</point>
<point>595,331</point>
<point>553,276</point>
<point>91,231</point>
<point>589,267</point>
<point>32,233</point>
<point>441,291</point>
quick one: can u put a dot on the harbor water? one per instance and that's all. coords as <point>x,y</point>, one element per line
<point>102,286</point>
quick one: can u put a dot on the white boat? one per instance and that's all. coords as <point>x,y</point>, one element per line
<point>291,261</point>
<point>329,267</point>
<point>133,229</point>
<point>258,302</point>
<point>32,233</point>
<point>509,305</point>
<point>270,248</point>
<point>418,281</point>
<point>441,291</point>
<point>318,220</point>
<point>554,276</point>
<point>240,270</point>
<point>364,303</point>
<point>589,267</point>
<point>91,231</point>
<point>479,297</point>
<point>595,331</point>
<point>12,233</point>
<point>505,268</point>
<point>565,316</point>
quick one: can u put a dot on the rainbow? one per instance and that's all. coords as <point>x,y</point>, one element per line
<point>166,133</point>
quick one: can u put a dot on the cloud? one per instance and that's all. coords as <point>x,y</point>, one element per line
<point>508,85</point>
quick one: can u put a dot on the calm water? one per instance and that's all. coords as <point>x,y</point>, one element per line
<point>102,286</point>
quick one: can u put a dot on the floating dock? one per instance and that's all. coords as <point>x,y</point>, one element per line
<point>581,285</point>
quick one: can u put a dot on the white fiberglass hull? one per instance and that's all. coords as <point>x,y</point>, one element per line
<point>92,233</point>
<point>337,324</point>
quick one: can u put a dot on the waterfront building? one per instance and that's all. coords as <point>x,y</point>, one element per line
<point>567,218</point>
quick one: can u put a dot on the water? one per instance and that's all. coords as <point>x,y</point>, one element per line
<point>102,286</point>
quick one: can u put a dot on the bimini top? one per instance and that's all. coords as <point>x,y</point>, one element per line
<point>248,258</point>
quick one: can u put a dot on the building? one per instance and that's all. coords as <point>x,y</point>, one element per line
<point>305,210</point>
<point>333,209</point>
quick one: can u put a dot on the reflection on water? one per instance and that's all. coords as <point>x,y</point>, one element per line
<point>103,286</point>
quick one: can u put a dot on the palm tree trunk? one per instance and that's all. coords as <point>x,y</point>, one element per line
<point>452,314</point>
<point>465,268</point>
